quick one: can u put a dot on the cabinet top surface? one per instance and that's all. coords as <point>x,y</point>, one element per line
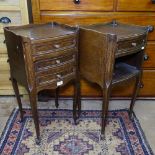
<point>42,31</point>
<point>119,29</point>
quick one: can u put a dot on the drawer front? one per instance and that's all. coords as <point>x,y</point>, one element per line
<point>105,5</point>
<point>14,16</point>
<point>9,2</point>
<point>139,18</point>
<point>131,45</point>
<point>53,45</point>
<point>136,5</point>
<point>2,44</point>
<point>149,58</point>
<point>54,80</point>
<point>53,54</point>
<point>41,66</point>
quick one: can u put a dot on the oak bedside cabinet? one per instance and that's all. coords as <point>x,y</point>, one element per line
<point>42,56</point>
<point>110,54</point>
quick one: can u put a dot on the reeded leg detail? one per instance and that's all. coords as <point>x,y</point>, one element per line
<point>16,90</point>
<point>105,105</point>
<point>33,102</point>
<point>56,97</point>
<point>135,93</point>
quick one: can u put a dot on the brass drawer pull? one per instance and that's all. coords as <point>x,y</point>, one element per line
<point>76,1</point>
<point>58,61</point>
<point>134,44</point>
<point>142,47</point>
<point>5,20</point>
<point>58,76</point>
<point>59,83</point>
<point>56,46</point>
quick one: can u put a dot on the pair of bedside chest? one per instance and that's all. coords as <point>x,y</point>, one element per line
<point>47,56</point>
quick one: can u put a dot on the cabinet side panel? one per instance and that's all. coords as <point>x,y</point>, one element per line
<point>92,46</point>
<point>16,58</point>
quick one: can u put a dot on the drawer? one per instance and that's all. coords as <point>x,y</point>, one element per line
<point>53,54</point>
<point>149,58</point>
<point>14,16</point>
<point>53,62</point>
<point>136,5</point>
<point>9,2</point>
<point>2,44</point>
<point>57,44</point>
<point>137,18</point>
<point>54,80</point>
<point>131,45</point>
<point>54,68</point>
<point>105,5</point>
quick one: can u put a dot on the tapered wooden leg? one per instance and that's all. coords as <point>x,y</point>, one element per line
<point>135,93</point>
<point>16,90</point>
<point>33,102</point>
<point>76,100</point>
<point>56,97</point>
<point>105,105</point>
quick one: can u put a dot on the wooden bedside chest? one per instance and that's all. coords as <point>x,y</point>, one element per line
<point>43,56</point>
<point>110,54</point>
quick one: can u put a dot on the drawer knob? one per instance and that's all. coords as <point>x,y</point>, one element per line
<point>57,46</point>
<point>150,28</point>
<point>134,44</point>
<point>146,57</point>
<point>77,1</point>
<point>142,47</point>
<point>153,1</point>
<point>5,20</point>
<point>59,83</point>
<point>58,76</point>
<point>58,61</point>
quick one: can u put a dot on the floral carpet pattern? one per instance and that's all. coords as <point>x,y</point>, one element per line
<point>60,136</point>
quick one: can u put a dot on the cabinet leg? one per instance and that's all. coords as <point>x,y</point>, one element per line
<point>105,105</point>
<point>76,101</point>
<point>33,102</point>
<point>135,93</point>
<point>16,90</point>
<point>56,97</point>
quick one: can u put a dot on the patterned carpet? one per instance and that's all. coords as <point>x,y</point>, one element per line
<point>59,135</point>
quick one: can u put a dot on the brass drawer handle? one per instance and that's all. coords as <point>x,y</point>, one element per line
<point>134,44</point>
<point>146,57</point>
<point>57,46</point>
<point>59,83</point>
<point>58,76</point>
<point>76,1</point>
<point>5,20</point>
<point>58,61</point>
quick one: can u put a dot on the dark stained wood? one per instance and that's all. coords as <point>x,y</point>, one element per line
<point>138,18</point>
<point>107,59</point>
<point>99,5</point>
<point>139,12</point>
<point>35,62</point>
